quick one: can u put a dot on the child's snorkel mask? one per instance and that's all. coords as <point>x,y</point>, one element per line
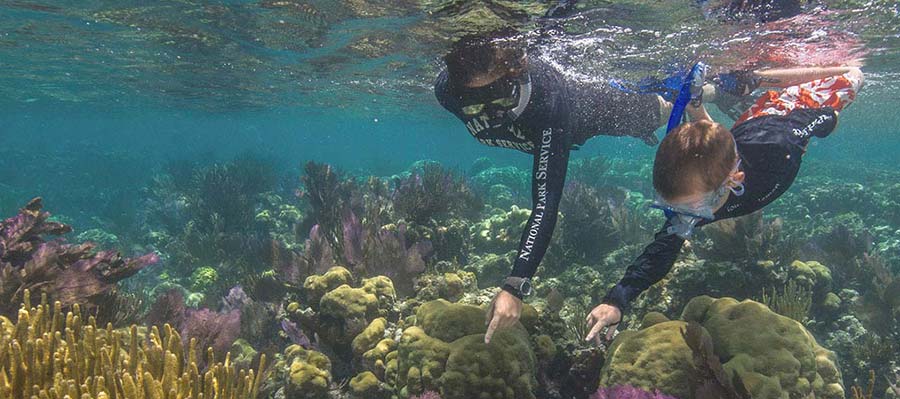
<point>684,217</point>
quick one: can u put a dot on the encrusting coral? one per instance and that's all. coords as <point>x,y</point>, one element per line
<point>49,354</point>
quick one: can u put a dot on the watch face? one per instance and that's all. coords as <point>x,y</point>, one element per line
<point>526,288</point>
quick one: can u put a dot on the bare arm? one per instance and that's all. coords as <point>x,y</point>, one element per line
<point>795,76</point>
<point>698,113</point>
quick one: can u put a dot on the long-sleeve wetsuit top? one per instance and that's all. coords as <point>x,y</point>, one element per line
<point>771,148</point>
<point>555,119</point>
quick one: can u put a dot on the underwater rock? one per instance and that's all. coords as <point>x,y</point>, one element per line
<point>774,356</point>
<point>99,236</point>
<point>93,362</point>
<point>445,352</point>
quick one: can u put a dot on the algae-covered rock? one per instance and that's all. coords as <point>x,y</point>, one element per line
<point>242,353</point>
<point>445,352</point>
<point>774,356</point>
<point>317,285</point>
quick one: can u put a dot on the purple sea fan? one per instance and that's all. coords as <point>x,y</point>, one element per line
<point>67,273</point>
<point>217,330</point>
<point>628,392</point>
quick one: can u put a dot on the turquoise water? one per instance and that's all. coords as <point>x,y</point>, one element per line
<point>100,99</point>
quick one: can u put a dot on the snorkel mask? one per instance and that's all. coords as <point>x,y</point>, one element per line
<point>684,217</point>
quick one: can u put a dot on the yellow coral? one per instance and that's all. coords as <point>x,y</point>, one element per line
<point>48,354</point>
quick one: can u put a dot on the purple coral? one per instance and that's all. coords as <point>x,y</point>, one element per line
<point>628,392</point>
<point>68,273</point>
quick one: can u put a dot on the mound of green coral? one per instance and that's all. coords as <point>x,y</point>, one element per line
<point>772,355</point>
<point>50,354</point>
<point>445,352</point>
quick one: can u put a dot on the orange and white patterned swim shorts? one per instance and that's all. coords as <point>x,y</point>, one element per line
<point>836,92</point>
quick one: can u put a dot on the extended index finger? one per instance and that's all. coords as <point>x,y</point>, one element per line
<point>490,330</point>
<point>595,330</point>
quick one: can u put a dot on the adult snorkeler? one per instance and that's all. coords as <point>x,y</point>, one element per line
<point>508,98</point>
<point>705,173</point>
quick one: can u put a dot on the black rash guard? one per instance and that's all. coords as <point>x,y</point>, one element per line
<point>561,113</point>
<point>771,148</point>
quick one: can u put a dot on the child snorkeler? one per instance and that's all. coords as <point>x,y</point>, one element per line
<point>704,173</point>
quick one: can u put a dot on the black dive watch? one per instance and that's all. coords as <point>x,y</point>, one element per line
<point>518,286</point>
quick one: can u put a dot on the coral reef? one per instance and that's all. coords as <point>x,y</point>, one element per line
<point>67,273</point>
<point>47,353</point>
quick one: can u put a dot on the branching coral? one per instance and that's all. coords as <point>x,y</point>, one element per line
<point>49,354</point>
<point>68,273</point>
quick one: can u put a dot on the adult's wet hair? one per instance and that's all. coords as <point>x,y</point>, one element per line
<point>478,54</point>
<point>695,157</point>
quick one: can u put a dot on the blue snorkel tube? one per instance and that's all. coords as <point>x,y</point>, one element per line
<point>693,83</point>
